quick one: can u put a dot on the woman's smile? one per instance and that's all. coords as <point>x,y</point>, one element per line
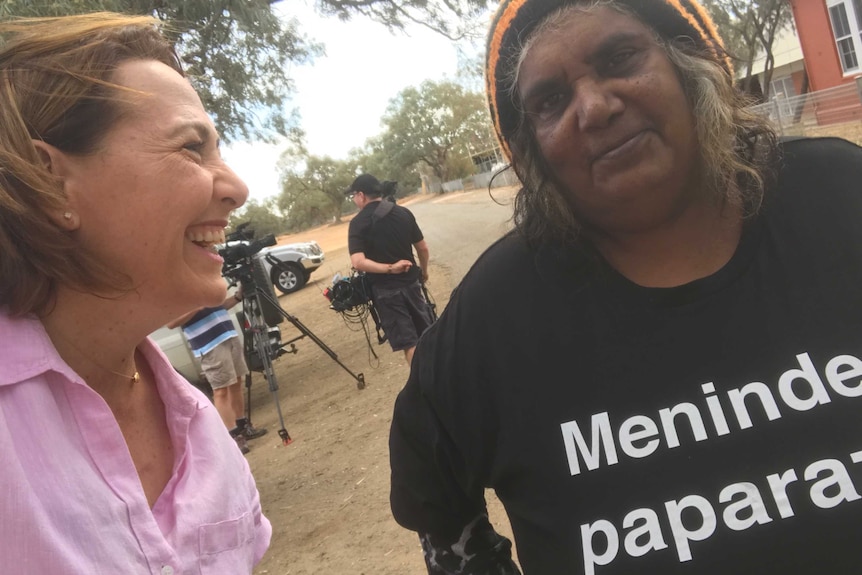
<point>625,147</point>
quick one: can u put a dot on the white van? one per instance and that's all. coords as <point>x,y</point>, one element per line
<point>175,346</point>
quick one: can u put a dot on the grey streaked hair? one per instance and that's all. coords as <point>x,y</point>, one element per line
<point>737,146</point>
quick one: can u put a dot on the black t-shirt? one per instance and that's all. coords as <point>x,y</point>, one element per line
<point>712,428</point>
<point>387,241</point>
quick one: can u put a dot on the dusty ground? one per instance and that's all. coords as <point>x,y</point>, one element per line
<point>326,493</point>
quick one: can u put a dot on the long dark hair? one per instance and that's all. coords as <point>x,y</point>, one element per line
<point>738,147</point>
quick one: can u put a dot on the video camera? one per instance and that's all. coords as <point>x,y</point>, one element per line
<point>347,293</point>
<point>351,297</point>
<point>237,257</point>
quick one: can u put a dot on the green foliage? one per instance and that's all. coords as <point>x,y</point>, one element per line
<point>236,54</point>
<point>264,218</point>
<point>455,19</point>
<point>736,35</point>
<point>438,124</point>
<point>238,59</point>
<point>374,159</point>
<point>313,191</point>
<point>749,28</point>
<point>433,128</point>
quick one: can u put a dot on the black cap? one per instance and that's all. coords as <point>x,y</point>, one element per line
<point>367,184</point>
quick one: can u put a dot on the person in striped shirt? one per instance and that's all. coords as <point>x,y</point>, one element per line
<point>213,339</point>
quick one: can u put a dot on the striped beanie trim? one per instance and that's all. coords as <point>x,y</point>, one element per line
<point>515,19</point>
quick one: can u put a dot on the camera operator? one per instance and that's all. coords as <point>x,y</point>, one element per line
<point>381,238</point>
<point>213,339</point>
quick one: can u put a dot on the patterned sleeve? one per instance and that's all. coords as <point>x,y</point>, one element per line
<point>479,550</point>
<point>442,448</point>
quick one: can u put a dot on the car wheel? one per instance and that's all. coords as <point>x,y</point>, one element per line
<point>288,277</point>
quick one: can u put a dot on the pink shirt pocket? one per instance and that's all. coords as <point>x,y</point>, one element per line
<point>227,546</point>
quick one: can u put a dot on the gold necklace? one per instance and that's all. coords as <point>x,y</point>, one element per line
<point>134,378</point>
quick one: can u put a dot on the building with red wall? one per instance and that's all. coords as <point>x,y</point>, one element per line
<point>830,34</point>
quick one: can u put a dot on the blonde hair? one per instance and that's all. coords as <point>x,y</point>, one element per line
<point>56,87</point>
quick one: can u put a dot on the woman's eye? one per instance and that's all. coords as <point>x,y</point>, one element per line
<point>619,59</point>
<point>196,147</point>
<point>551,101</point>
<point>548,104</point>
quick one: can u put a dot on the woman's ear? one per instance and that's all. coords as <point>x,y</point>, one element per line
<point>49,156</point>
<point>54,161</point>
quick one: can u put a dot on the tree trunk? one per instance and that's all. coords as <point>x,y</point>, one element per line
<point>768,68</point>
<point>800,105</point>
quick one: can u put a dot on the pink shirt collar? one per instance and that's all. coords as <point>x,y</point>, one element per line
<point>26,351</point>
<point>70,497</point>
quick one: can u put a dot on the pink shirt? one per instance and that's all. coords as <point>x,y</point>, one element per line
<point>70,498</point>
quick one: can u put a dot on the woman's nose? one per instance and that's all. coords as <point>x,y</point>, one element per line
<point>230,188</point>
<point>596,104</point>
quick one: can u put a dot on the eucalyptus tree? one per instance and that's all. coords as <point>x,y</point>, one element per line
<point>239,52</point>
<point>263,217</point>
<point>313,190</point>
<point>236,54</point>
<point>454,19</point>
<point>438,124</point>
<point>750,28</point>
<point>373,159</point>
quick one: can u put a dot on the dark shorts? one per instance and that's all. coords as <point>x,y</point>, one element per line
<point>404,314</point>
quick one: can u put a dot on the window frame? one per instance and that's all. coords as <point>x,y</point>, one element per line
<point>852,13</point>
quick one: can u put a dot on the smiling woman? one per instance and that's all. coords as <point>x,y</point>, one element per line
<point>607,170</point>
<point>112,196</point>
<point>664,243</point>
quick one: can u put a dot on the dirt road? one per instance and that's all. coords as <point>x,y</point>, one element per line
<point>326,494</point>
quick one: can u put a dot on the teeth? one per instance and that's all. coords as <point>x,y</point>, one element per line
<point>206,236</point>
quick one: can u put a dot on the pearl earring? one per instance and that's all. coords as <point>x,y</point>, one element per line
<point>67,215</point>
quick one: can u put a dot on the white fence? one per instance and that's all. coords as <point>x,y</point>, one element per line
<point>474,182</point>
<point>832,112</point>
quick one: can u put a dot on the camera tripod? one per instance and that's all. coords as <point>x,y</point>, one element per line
<point>261,311</point>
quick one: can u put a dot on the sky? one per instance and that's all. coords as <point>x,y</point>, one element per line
<point>342,95</point>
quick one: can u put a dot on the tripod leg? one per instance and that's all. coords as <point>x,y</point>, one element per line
<point>248,395</point>
<point>360,378</point>
<point>248,347</point>
<point>432,305</point>
<point>264,351</point>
